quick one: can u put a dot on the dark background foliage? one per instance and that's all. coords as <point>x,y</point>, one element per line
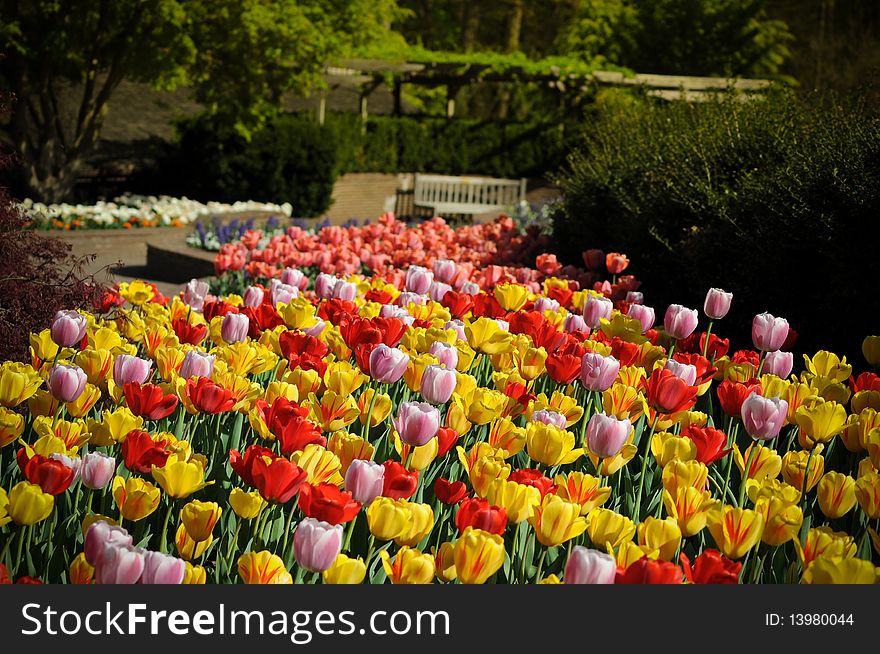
<point>778,202</point>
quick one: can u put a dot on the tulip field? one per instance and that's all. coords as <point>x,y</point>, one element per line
<point>415,404</point>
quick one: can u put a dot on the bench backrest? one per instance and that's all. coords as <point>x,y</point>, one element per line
<point>490,192</point>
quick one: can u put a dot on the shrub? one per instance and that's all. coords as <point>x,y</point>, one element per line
<point>775,200</point>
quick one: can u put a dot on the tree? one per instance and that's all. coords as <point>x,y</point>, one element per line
<point>65,58</point>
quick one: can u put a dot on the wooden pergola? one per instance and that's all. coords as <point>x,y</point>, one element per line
<point>370,74</point>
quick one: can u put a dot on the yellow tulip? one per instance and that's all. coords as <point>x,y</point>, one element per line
<point>782,520</point>
<point>27,504</point>
<point>486,336</point>
<point>113,427</point>
<point>484,471</point>
<point>623,402</point>
<point>333,411</point>
<point>661,535</point>
<point>4,506</point>
<point>189,548</point>
<point>81,571</point>
<point>794,467</point>
<point>381,407</point>
<point>263,568</point>
<point>43,348</point>
<point>181,478</point>
<point>18,381</point>
<point>343,378</point>
<point>608,529</point>
<point>681,474</point>
<point>199,519</point>
<point>560,403</point>
<point>422,456</point>
<point>735,530</point>
<point>630,552</point>
<point>444,562</point>
<point>348,447</point>
<point>836,570</point>
<point>511,297</point>
<point>389,519</point>
<point>276,389</point>
<point>582,489</point>
<point>519,500</point>
<point>246,506</point>
<point>772,488</point>
<point>871,350</point>
<point>551,445</point>
<point>868,494</point>
<point>321,465</point>
<point>137,292</point>
<point>345,570</point>
<point>84,403</point>
<point>486,406</point>
<point>531,362</point>
<point>556,521</point>
<point>11,426</point>
<point>412,377</point>
<point>764,463</point>
<point>418,527</point>
<point>478,555</point>
<point>306,381</point>
<point>819,423</point>
<point>135,498</point>
<point>828,364</point>
<point>42,403</point>
<point>96,364</point>
<point>690,508</point>
<point>505,435</point>
<point>298,314</point>
<point>456,417</point>
<point>837,494</point>
<point>409,566</point>
<point>823,542</point>
<point>194,575</point>
<point>665,447</point>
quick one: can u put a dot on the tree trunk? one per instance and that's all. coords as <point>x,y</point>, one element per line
<point>470,26</point>
<point>511,44</point>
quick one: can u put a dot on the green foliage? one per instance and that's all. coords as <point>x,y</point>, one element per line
<point>775,200</point>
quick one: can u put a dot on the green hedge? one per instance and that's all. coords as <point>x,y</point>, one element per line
<point>776,200</point>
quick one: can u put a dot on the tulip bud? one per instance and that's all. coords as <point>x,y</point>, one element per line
<point>101,535</point>
<point>680,322</point>
<point>407,297</point>
<point>616,262</point>
<point>66,382</point>
<point>598,372</point>
<point>194,294</point>
<point>253,296</point>
<point>686,372</point>
<point>416,422</point>
<point>68,328</point>
<point>446,353</point>
<point>575,323</point>
<point>437,384</point>
<point>128,369</point>
<point>387,364</point>
<point>645,315</point>
<point>418,279</point>
<point>596,308</point>
<point>364,480</point>
<point>586,566</point>
<point>96,470</point>
<point>763,417</point>
<point>717,303</point>
<point>120,564</point>
<point>607,435</point>
<point>445,270</point>
<point>438,290</point>
<point>778,363</point>
<point>282,293</point>
<point>769,332</point>
<point>197,364</point>
<point>324,284</point>
<point>294,277</point>
<point>470,288</point>
<point>162,569</point>
<point>316,544</point>
<point>593,259</point>
<point>635,297</point>
<point>234,328</point>
<point>543,304</point>
<point>343,290</point>
<point>550,418</point>
<point>871,350</point>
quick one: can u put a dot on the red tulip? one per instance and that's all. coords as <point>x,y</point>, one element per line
<point>447,437</point>
<point>487,306</point>
<point>710,443</point>
<point>732,394</point>
<point>148,401</point>
<point>531,477</point>
<point>400,483</point>
<point>244,465</point>
<point>648,571</point>
<point>192,333</point>
<point>711,567</point>
<point>669,394</point>
<point>334,310</point>
<point>261,318</point>
<point>49,474</point>
<point>209,397</point>
<point>326,502</point>
<point>295,344</point>
<point>478,513</point>
<point>217,308</point>
<point>289,423</point>
<point>705,370</point>
<point>458,303</point>
<point>563,368</point>
<point>449,492</point>
<point>277,480</point>
<point>140,452</point>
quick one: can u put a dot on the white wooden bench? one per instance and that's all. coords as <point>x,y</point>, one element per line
<point>447,195</point>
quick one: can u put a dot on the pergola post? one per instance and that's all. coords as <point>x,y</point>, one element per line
<point>322,107</point>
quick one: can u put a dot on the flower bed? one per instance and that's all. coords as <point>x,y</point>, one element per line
<point>133,211</point>
<point>478,420</point>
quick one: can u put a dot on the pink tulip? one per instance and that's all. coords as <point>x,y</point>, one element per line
<point>575,323</point>
<point>197,364</point>
<point>606,435</point>
<point>586,566</point>
<point>324,284</point>
<point>470,288</point>
<point>635,297</point>
<point>387,364</point>
<point>457,326</point>
<point>446,353</point>
<point>549,418</point>
<point>407,297</point>
<point>316,329</point>
<point>596,308</point>
<point>120,564</point>
<point>316,544</point>
<point>234,328</point>
<point>503,325</point>
<point>444,270</point>
<point>684,371</point>
<point>543,304</point>
<point>598,372</point>
<point>127,368</point>
<point>96,470</point>
<point>295,277</point>
<point>593,259</point>
<point>645,315</point>
<point>717,303</point>
<point>438,290</point>
<point>73,463</point>
<point>680,322</point>
<point>194,294</point>
<point>68,328</point>
<point>763,417</point>
<point>253,296</point>
<point>343,290</point>
<point>66,382</point>
<point>100,535</point>
<point>282,293</point>
<point>162,569</point>
<point>438,383</point>
<point>416,422</point>
<point>364,480</point>
<point>778,363</point>
<point>418,279</point>
<point>769,332</point>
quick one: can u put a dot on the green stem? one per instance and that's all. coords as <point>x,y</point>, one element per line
<point>287,530</point>
<point>348,532</point>
<point>708,333</point>
<point>541,564</point>
<point>163,543</point>
<point>231,549</point>
<point>647,453</point>
<point>745,475</point>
